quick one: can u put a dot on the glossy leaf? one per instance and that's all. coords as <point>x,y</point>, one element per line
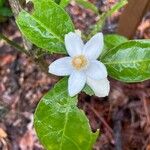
<point>64,3</point>
<point>88,90</point>
<point>47,25</point>
<point>111,41</point>
<point>129,62</point>
<point>60,125</point>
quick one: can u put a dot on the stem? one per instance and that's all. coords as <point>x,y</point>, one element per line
<point>87,5</point>
<point>39,61</point>
<point>98,27</point>
<point>12,43</point>
<point>16,8</point>
<point>101,119</point>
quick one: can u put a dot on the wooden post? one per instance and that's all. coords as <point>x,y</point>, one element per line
<point>132,16</point>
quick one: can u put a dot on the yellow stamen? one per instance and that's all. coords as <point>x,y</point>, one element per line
<point>79,62</point>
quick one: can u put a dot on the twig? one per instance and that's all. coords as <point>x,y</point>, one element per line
<point>146,143</point>
<point>12,43</point>
<point>146,110</point>
<point>39,61</point>
<point>16,8</point>
<point>101,119</point>
<point>102,18</point>
<point>117,119</point>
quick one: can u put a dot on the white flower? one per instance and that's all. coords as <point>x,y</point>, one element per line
<point>81,65</point>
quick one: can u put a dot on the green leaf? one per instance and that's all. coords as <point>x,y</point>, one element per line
<point>57,1</point>
<point>87,5</point>
<point>6,12</point>
<point>2,2</point>
<point>111,41</point>
<point>47,25</point>
<point>60,125</point>
<point>129,62</point>
<point>64,3</point>
<point>88,90</point>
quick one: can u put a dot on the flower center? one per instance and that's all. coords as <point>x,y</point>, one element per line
<point>79,62</point>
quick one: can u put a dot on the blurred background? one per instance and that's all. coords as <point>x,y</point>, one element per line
<point>123,117</point>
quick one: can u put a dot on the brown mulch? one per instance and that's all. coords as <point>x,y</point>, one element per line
<point>123,117</point>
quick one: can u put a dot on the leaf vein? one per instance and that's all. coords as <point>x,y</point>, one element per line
<point>40,23</point>
<point>126,62</point>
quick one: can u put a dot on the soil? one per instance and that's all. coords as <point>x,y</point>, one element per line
<point>123,117</point>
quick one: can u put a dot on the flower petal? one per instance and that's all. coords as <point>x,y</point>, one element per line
<point>96,70</point>
<point>76,83</point>
<point>101,88</point>
<point>74,44</point>
<point>61,67</point>
<point>94,46</point>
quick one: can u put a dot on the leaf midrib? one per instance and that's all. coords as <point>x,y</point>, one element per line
<point>50,31</point>
<point>64,130</point>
